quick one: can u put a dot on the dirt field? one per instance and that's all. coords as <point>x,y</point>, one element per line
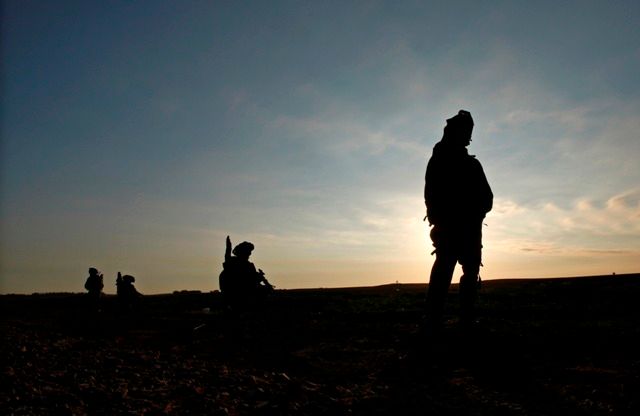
<point>552,346</point>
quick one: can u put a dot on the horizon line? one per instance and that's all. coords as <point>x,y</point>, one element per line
<point>196,291</point>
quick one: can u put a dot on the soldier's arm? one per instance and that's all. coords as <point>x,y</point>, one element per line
<point>426,186</point>
<point>485,194</point>
<point>431,190</point>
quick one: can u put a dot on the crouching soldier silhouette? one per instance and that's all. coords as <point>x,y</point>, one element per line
<point>458,197</point>
<point>128,296</point>
<point>94,286</point>
<point>242,286</point>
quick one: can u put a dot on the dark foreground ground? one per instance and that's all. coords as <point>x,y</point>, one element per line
<point>561,346</point>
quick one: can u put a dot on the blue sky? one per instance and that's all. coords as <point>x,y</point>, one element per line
<point>137,135</point>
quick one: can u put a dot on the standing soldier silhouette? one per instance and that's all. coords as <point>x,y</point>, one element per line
<point>458,197</point>
<point>94,286</point>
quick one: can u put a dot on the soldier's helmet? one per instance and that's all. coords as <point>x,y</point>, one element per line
<point>244,248</point>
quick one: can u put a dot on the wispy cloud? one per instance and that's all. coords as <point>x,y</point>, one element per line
<point>574,120</point>
<point>609,227</point>
<point>340,135</point>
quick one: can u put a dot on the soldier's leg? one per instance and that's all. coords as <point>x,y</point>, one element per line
<point>468,292</point>
<point>471,259</point>
<point>439,281</point>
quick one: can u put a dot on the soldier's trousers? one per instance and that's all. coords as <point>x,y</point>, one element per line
<point>459,243</point>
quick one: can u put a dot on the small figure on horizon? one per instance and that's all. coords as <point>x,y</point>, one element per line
<point>128,296</point>
<point>458,197</point>
<point>94,285</point>
<point>240,283</point>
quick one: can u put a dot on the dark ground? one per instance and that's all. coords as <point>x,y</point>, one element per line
<point>552,346</point>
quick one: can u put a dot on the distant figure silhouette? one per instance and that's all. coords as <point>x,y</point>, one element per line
<point>458,197</point>
<point>240,283</point>
<point>128,296</point>
<point>94,286</point>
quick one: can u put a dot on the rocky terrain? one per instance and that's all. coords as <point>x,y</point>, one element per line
<point>542,347</point>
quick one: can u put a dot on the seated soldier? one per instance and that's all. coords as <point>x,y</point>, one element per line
<point>240,283</point>
<point>128,296</point>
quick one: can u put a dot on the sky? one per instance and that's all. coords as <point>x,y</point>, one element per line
<point>136,136</point>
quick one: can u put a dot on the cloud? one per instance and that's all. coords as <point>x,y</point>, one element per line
<point>572,119</point>
<point>625,202</point>
<point>340,135</point>
<point>586,227</point>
